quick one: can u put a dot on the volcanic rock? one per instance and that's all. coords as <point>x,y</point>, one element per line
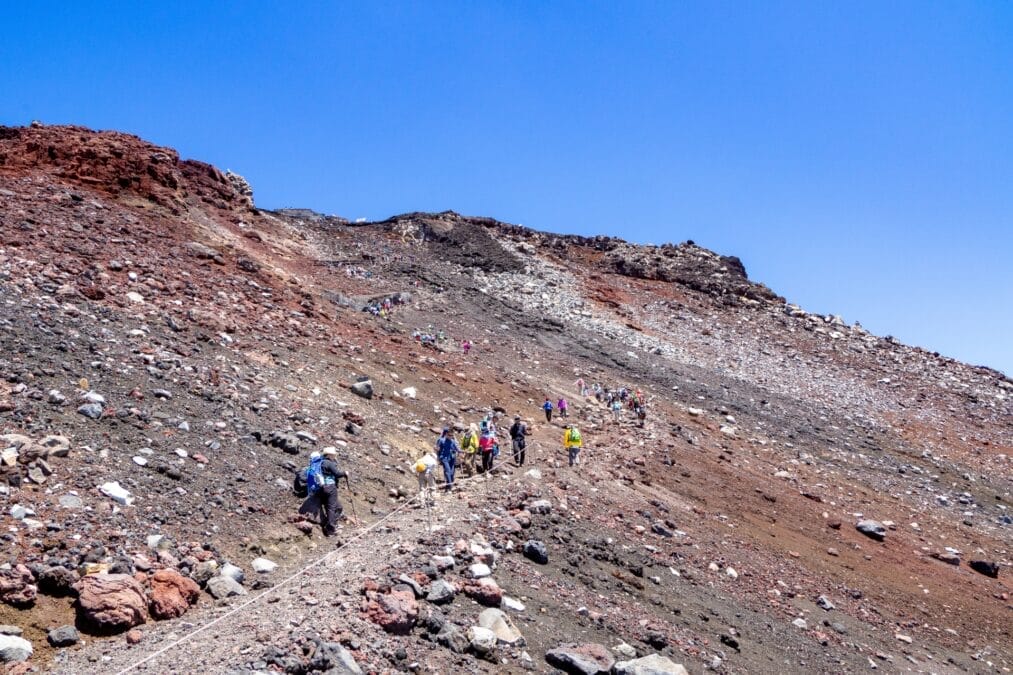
<point>171,594</point>
<point>581,659</point>
<point>111,601</point>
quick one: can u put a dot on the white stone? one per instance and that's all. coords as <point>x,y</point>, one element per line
<point>263,565</point>
<point>511,603</point>
<point>480,570</point>
<point>500,624</point>
<point>653,664</point>
<point>482,640</point>
<point>14,649</point>
<point>134,296</point>
<point>117,493</point>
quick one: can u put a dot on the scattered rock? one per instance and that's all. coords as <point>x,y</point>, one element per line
<point>989,569</point>
<point>653,664</point>
<point>172,594</point>
<point>485,591</point>
<point>482,640</point>
<point>536,551</point>
<point>263,565</point>
<point>363,388</point>
<point>91,410</point>
<point>14,649</point>
<point>111,601</point>
<point>501,624</point>
<point>117,493</point>
<point>64,636</point>
<point>441,592</point>
<point>824,602</point>
<point>584,659</point>
<point>233,572</point>
<point>871,528</point>
<point>224,586</point>
<point>394,612</point>
<point>17,586</point>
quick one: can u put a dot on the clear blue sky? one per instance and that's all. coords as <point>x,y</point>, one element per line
<point>857,156</point>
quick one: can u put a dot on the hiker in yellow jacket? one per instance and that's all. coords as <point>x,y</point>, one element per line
<point>572,442</point>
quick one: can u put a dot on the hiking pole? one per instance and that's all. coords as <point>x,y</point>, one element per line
<point>351,501</point>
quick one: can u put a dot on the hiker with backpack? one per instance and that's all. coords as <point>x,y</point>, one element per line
<point>547,407</point>
<point>469,446</point>
<point>425,471</point>
<point>322,477</point>
<point>487,447</point>
<point>563,408</point>
<point>617,409</point>
<point>446,452</point>
<point>572,442</point>
<point>518,436</point>
<point>641,414</point>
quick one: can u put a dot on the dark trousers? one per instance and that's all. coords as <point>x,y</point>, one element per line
<point>519,451</point>
<point>330,508</point>
<point>486,462</point>
<point>548,415</point>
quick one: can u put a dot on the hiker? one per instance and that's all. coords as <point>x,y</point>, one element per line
<point>322,482</point>
<point>572,442</point>
<point>425,471</point>
<point>466,346</point>
<point>581,387</point>
<point>469,445</point>
<point>446,452</point>
<point>547,407</point>
<point>487,446</point>
<point>518,434</point>
<point>641,414</point>
<point>617,409</point>
<point>561,404</point>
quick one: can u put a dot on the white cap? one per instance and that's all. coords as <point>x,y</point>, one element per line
<point>314,455</point>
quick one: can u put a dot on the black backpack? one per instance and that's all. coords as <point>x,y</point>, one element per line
<point>299,486</point>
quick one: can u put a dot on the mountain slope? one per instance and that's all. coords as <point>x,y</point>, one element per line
<point>224,338</point>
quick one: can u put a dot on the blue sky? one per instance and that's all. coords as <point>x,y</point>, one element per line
<point>857,156</point>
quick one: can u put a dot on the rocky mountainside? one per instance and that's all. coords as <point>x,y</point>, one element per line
<point>803,496</point>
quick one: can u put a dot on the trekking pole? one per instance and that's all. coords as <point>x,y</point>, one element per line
<point>351,501</point>
<point>429,517</point>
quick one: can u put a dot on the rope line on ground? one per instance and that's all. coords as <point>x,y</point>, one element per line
<point>358,535</point>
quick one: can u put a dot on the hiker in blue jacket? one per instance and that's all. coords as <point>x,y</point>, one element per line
<point>547,407</point>
<point>446,453</point>
<point>322,481</point>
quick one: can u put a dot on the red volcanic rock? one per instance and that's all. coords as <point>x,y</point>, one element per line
<point>111,601</point>
<point>171,594</point>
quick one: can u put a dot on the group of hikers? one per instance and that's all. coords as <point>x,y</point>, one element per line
<point>615,399</point>
<point>475,454</point>
<point>384,306</point>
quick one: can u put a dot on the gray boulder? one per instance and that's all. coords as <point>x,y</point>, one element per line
<point>441,592</point>
<point>363,388</point>
<point>536,551</point>
<point>872,529</point>
<point>654,664</point>
<point>64,636</point>
<point>586,659</point>
<point>224,587</point>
